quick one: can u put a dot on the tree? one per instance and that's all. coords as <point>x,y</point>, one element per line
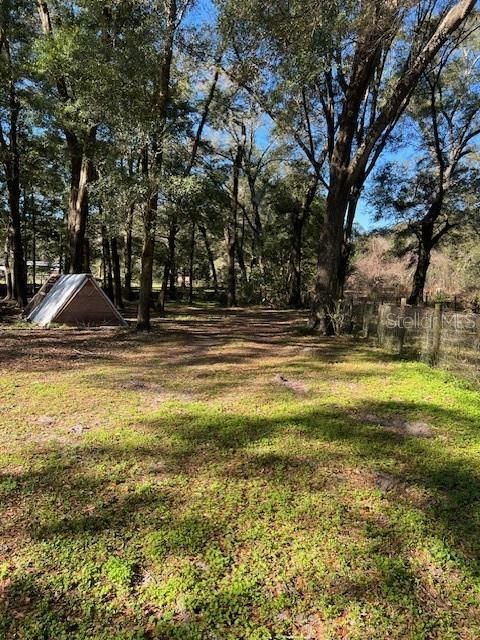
<point>369,61</point>
<point>153,153</point>
<point>431,196</point>
<point>67,52</point>
<point>15,46</point>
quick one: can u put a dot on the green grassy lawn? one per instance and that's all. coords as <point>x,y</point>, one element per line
<point>170,485</point>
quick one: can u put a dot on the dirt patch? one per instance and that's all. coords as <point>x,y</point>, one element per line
<point>299,388</point>
<point>397,424</point>
<point>142,385</point>
<point>386,482</point>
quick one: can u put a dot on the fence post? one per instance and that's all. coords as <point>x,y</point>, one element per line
<point>436,333</point>
<point>401,329</point>
<point>367,316</point>
<point>380,324</point>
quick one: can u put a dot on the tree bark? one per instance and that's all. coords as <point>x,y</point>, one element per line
<point>347,246</point>
<point>146,273</point>
<point>428,238</point>
<point>34,244</point>
<point>117,278</point>
<point>86,256</point>
<point>19,268</point>
<point>81,172</point>
<point>107,265</point>
<point>294,274</point>
<point>327,283</point>
<point>191,263</point>
<point>420,276</point>
<point>231,227</point>
<point>8,273</point>
<point>299,219</point>
<point>211,259</point>
<point>172,266</point>
<point>127,254</point>
<point>10,156</point>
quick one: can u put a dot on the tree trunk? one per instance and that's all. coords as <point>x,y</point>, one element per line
<point>327,284</point>
<point>15,232</point>
<point>107,265</point>
<point>230,241</point>
<point>163,292</point>
<point>299,220</point>
<point>11,161</point>
<point>117,278</point>
<point>191,261</point>
<point>423,262</point>
<point>161,102</point>
<point>211,259</point>
<point>146,273</point>
<point>128,254</point>
<point>8,273</point>
<point>81,168</point>
<point>34,244</point>
<point>294,277</point>
<point>347,247</point>
<point>241,255</point>
<point>86,256</point>
<point>172,266</point>
<point>231,228</point>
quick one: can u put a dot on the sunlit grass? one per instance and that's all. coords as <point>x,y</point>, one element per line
<point>168,487</point>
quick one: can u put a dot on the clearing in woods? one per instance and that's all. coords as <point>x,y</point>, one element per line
<point>228,476</point>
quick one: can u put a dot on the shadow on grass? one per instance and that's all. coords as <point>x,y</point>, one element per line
<point>212,442</point>
<point>319,443</point>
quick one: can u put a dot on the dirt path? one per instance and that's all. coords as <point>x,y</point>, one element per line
<point>186,336</point>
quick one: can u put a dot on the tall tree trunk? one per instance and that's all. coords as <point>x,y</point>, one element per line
<point>8,272</point>
<point>81,153</point>
<point>127,254</point>
<point>327,283</point>
<point>299,220</point>
<point>427,239</point>
<point>117,278</point>
<point>146,273</point>
<point>10,153</point>
<point>81,173</point>
<point>211,259</point>
<point>86,255</point>
<point>171,261</point>
<point>191,262</point>
<point>349,166</point>
<point>420,275</point>
<point>163,291</point>
<point>294,277</point>
<point>230,241</point>
<point>34,243</point>
<point>15,232</point>
<point>241,254</point>
<point>161,102</point>
<point>347,246</point>
<point>107,265</point>
<point>231,227</point>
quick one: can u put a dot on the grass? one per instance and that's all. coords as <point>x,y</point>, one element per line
<point>168,486</point>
